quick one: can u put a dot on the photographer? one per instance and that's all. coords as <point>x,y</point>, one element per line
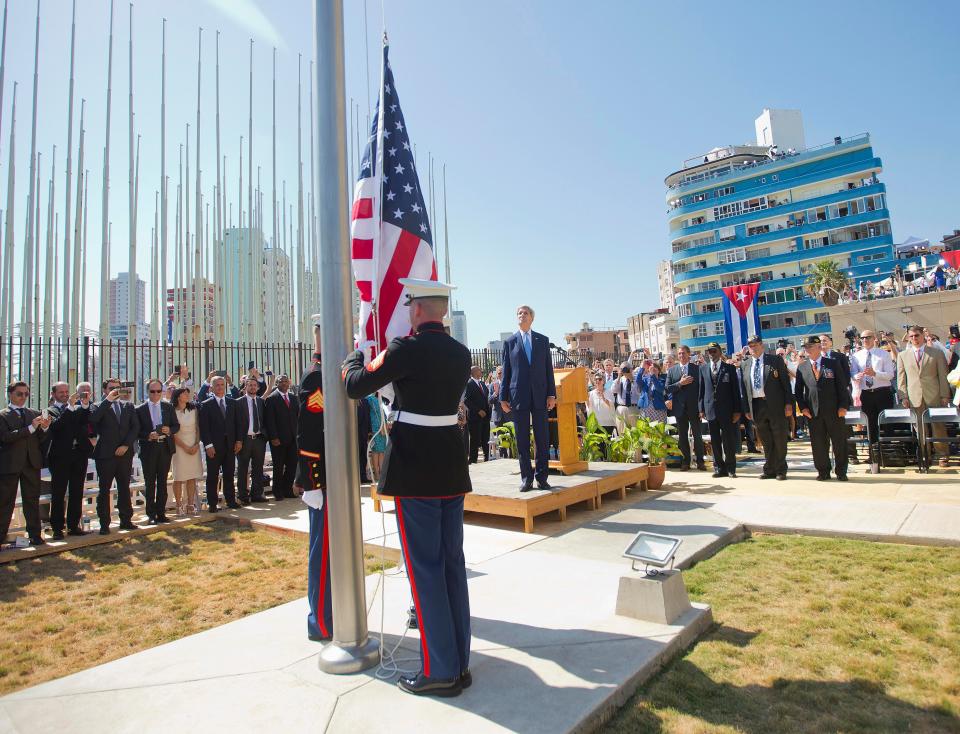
<point>116,424</point>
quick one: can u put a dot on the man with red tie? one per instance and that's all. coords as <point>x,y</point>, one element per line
<point>281,412</point>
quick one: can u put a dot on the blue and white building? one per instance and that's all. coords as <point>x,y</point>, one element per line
<point>769,212</point>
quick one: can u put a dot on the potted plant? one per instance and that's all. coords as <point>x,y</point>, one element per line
<point>657,441</point>
<point>594,442</point>
<point>507,438</point>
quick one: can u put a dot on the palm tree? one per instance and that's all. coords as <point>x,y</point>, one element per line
<point>827,282</point>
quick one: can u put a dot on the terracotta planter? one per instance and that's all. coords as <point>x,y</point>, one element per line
<point>655,475</point>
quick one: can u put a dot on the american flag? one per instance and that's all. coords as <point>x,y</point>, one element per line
<point>390,232</point>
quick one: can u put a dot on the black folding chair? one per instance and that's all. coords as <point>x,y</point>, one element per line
<point>860,427</point>
<point>944,416</point>
<point>899,438</point>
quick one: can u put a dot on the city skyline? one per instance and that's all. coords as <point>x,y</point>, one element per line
<point>605,150</point>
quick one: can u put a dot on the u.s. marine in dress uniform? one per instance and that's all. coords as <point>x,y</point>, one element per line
<point>312,477</point>
<point>425,471</point>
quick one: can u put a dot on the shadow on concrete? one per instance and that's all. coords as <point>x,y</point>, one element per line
<point>785,706</point>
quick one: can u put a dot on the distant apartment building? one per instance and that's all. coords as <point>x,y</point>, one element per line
<point>119,307</point>
<point>769,212</point>
<point>458,326</point>
<point>192,312</point>
<point>668,299</point>
<point>597,341</point>
<point>496,346</point>
<point>655,331</point>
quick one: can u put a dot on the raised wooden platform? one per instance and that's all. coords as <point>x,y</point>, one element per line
<point>496,489</point>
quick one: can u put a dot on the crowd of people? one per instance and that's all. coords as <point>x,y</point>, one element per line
<point>942,277</point>
<point>216,435</point>
<point>759,399</point>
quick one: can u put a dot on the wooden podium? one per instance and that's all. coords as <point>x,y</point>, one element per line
<point>571,389</point>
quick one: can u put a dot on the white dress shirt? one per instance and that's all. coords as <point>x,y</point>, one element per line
<point>882,364</point>
<point>251,408</point>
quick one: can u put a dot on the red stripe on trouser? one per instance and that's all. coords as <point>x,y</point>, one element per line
<point>322,586</point>
<point>413,588</point>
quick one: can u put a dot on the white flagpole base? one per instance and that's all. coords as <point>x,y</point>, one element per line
<point>342,659</point>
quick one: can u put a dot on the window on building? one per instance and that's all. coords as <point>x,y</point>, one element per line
<point>821,317</point>
<point>700,330</point>
<point>724,191</point>
<point>712,307</point>
<point>727,233</point>
<point>685,309</point>
<point>737,255</point>
<point>759,229</point>
<point>719,328</point>
<point>710,285</point>
<point>758,252</point>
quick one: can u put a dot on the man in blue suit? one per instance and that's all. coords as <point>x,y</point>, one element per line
<point>528,392</point>
<point>721,406</point>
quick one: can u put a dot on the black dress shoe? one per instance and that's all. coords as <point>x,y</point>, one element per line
<point>213,509</point>
<point>76,531</point>
<point>718,474</point>
<point>150,521</point>
<point>841,477</point>
<point>162,518</point>
<point>701,466</point>
<point>277,499</point>
<point>768,476</point>
<point>37,541</point>
<point>526,487</point>
<point>104,531</point>
<point>781,477</point>
<point>544,485</point>
<point>732,475</point>
<point>58,535</point>
<point>823,478</point>
<point>319,638</point>
<point>684,467</point>
<point>127,526</point>
<point>234,505</point>
<point>466,679</point>
<point>420,685</point>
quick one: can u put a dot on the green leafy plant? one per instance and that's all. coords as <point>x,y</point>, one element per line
<point>506,437</point>
<point>594,441</point>
<point>657,440</point>
<point>827,282</point>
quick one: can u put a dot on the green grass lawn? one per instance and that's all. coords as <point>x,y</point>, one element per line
<point>814,635</point>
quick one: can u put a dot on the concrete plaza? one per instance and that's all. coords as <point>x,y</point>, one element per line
<point>549,654</point>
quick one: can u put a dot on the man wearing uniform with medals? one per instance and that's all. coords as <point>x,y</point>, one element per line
<point>425,471</point>
<point>311,480</point>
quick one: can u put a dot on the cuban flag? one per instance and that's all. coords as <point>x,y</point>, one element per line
<point>741,318</point>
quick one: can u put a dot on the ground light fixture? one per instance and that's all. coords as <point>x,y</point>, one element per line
<point>654,550</point>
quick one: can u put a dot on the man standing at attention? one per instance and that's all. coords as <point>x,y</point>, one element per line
<point>528,393</point>
<point>823,398</point>
<point>720,406</point>
<point>683,389</point>
<point>425,471</point>
<point>477,400</point>
<point>922,383</point>
<point>874,370</point>
<point>768,402</point>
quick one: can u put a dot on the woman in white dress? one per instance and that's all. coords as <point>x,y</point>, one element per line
<point>186,465</point>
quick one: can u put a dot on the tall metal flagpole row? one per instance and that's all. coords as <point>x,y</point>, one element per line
<point>351,650</point>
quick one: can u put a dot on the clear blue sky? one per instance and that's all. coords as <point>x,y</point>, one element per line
<point>557,121</point>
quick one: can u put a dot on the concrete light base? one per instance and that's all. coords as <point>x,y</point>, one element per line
<point>341,659</point>
<point>661,598</point>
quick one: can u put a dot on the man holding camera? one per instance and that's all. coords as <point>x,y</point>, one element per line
<point>22,430</point>
<point>116,424</point>
<point>158,422</point>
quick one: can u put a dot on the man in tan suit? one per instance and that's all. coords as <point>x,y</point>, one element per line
<point>922,383</point>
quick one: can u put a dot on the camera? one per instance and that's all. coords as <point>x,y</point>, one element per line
<point>851,332</point>
<point>782,343</point>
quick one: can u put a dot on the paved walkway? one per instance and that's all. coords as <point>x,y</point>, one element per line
<point>549,655</point>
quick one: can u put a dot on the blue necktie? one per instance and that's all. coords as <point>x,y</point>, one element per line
<point>527,347</point>
<point>116,409</point>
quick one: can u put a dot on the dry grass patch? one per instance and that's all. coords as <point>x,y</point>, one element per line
<point>815,635</point>
<point>70,611</point>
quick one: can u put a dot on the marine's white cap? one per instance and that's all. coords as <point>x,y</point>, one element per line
<point>417,288</point>
<point>317,319</point>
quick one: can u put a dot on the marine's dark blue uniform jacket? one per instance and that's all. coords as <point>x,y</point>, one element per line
<point>429,371</point>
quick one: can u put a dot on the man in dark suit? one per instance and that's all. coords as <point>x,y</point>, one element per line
<point>115,422</point>
<point>158,423</point>
<point>68,449</point>
<point>683,392</point>
<point>720,405</point>
<point>477,400</point>
<point>218,432</point>
<point>768,402</point>
<point>280,413</point>
<point>528,393</point>
<point>251,438</point>
<point>822,397</point>
<point>843,366</point>
<point>22,430</point>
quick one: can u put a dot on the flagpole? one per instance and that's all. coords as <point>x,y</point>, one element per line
<point>218,290</point>
<point>198,218</point>
<point>255,285</point>
<point>163,184</point>
<point>378,337</point>
<point>351,650</point>
<point>105,216</point>
<point>67,284</point>
<point>81,183</point>
<point>27,315</point>
<point>302,324</point>
<point>6,298</point>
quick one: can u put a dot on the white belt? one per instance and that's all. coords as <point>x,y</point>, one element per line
<point>430,421</point>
